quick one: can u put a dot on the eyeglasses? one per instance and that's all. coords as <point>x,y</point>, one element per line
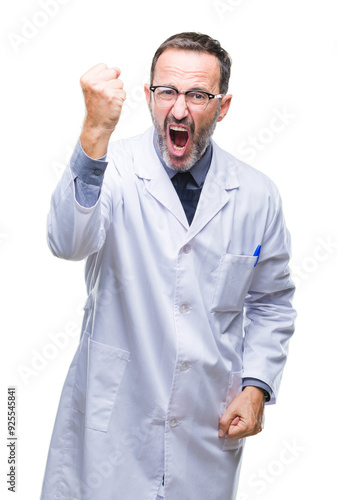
<point>197,100</point>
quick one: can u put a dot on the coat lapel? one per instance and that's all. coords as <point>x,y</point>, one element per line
<point>148,167</point>
<point>162,189</point>
<point>220,179</point>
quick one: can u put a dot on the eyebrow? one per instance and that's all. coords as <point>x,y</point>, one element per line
<point>193,89</point>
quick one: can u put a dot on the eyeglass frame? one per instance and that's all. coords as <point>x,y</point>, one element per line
<point>209,95</point>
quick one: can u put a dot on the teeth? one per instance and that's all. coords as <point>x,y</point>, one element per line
<point>178,148</point>
<point>178,129</point>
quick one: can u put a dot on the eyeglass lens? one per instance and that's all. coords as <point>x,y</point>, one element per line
<point>166,97</point>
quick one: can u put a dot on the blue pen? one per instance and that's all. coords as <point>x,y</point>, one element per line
<point>257,254</point>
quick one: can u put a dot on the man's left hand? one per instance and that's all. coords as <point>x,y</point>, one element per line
<point>244,416</point>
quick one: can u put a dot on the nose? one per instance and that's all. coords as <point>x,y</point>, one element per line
<point>180,109</point>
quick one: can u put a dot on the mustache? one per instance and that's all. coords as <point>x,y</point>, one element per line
<point>183,121</point>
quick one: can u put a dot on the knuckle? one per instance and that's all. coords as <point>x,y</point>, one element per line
<point>98,67</point>
<point>98,89</point>
<point>114,99</point>
<point>83,81</point>
<point>252,426</point>
<point>116,85</point>
<point>223,420</point>
<point>88,85</point>
<point>110,98</point>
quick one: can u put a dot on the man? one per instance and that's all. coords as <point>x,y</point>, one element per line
<point>182,242</point>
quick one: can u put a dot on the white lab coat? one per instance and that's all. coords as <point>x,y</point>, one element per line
<point>162,351</point>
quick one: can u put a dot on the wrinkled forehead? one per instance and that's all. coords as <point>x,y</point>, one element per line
<point>187,69</point>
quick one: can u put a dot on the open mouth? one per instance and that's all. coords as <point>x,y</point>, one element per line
<point>179,138</point>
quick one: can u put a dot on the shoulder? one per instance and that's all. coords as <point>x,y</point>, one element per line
<point>134,155</point>
<point>130,145</point>
<point>251,181</point>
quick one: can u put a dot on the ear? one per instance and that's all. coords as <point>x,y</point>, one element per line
<point>225,103</point>
<point>147,93</point>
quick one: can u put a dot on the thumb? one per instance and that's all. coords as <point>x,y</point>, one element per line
<point>228,418</point>
<point>117,70</point>
<point>235,428</point>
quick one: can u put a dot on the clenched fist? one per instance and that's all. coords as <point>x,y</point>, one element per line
<point>104,97</point>
<point>244,416</point>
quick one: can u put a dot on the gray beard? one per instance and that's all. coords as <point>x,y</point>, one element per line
<point>199,147</point>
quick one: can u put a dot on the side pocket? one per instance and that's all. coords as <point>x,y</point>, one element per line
<point>99,372</point>
<point>233,390</point>
<point>106,366</point>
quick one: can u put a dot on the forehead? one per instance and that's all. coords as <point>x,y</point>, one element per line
<point>186,69</point>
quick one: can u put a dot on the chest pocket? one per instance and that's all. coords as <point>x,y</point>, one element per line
<point>233,280</point>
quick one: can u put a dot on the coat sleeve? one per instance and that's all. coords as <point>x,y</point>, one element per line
<point>73,231</point>
<point>269,315</point>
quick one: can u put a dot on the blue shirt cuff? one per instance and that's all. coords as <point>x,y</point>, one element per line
<point>89,170</point>
<point>89,175</point>
<point>258,383</point>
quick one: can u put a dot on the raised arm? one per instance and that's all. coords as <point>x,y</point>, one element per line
<point>81,205</point>
<point>104,96</point>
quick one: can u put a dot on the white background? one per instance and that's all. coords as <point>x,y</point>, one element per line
<point>284,55</point>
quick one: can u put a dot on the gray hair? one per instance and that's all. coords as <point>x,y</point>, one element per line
<point>199,43</point>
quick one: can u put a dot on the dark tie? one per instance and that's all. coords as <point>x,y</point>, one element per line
<point>189,197</point>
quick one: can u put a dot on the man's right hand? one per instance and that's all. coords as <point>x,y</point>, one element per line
<point>104,97</point>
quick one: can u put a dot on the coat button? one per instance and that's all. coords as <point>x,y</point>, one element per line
<point>184,366</point>
<point>184,308</point>
<point>173,423</point>
<point>97,172</point>
<point>187,249</point>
